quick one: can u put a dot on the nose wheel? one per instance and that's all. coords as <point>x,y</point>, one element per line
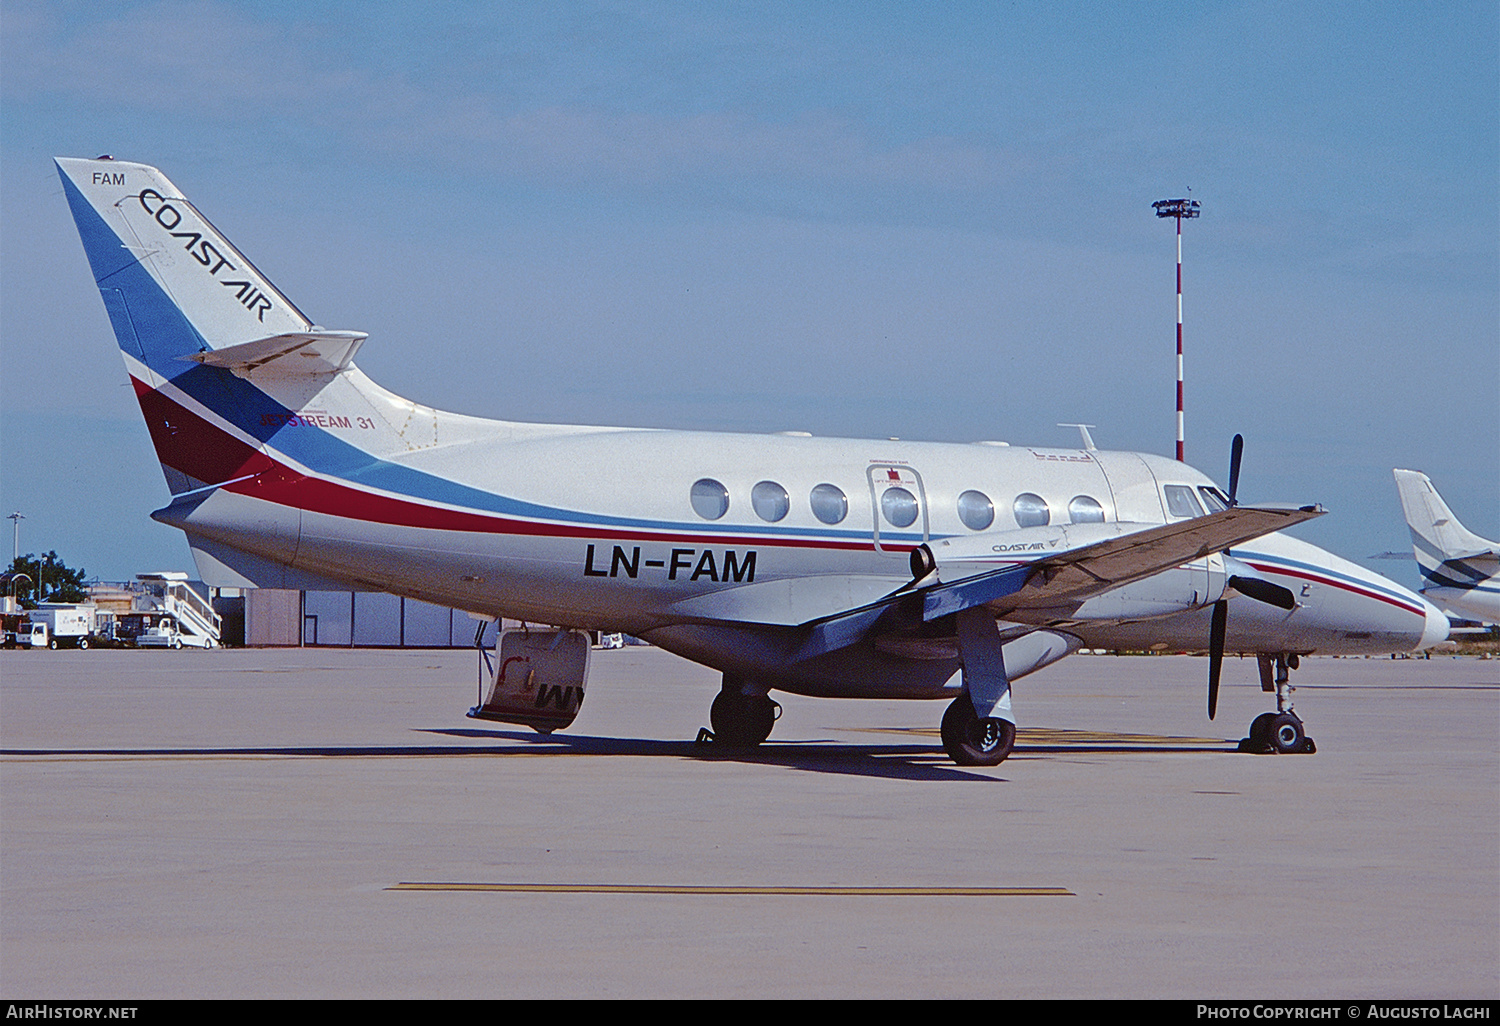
<point>972,740</point>
<point>1280,732</point>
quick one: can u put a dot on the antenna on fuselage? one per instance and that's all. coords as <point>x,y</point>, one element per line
<point>1083,429</point>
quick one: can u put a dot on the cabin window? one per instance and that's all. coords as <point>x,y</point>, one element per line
<point>1085,509</point>
<point>976,510</point>
<point>1213,499</point>
<point>829,503</point>
<point>1031,510</point>
<point>710,498</point>
<point>899,507</point>
<point>1180,501</point>
<point>770,501</point>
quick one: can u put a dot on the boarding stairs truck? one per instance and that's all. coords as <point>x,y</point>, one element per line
<point>181,617</point>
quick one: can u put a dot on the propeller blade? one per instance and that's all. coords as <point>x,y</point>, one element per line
<point>1236,450</point>
<point>1263,591</point>
<point>1216,654</point>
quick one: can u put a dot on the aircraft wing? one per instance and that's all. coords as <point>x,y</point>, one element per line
<point>1067,575</point>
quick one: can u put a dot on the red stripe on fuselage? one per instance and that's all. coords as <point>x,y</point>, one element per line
<point>185,441</point>
<point>1272,568</point>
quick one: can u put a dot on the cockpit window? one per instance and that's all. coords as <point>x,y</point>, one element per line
<point>1213,499</point>
<point>1180,502</point>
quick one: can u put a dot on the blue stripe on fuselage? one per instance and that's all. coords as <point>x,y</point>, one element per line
<point>1324,572</point>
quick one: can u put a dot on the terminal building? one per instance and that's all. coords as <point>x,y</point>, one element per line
<point>273,617</point>
<point>352,619</point>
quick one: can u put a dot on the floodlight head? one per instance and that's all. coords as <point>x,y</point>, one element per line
<point>1176,208</point>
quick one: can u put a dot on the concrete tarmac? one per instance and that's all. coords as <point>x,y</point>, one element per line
<point>327,823</point>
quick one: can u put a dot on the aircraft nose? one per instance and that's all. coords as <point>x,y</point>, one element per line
<point>1436,629</point>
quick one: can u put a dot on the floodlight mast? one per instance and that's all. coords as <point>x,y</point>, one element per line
<point>15,539</point>
<point>1178,208</point>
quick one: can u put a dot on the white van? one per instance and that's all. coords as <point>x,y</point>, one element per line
<point>164,634</point>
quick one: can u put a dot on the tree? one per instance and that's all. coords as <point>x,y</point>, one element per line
<point>44,578</point>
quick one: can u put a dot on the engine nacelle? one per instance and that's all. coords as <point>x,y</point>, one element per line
<point>1199,583</point>
<point>539,679</point>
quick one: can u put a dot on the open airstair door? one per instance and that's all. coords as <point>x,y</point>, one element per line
<point>539,679</point>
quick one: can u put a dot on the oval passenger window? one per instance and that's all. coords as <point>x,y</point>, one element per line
<point>1031,510</point>
<point>829,504</point>
<point>710,498</point>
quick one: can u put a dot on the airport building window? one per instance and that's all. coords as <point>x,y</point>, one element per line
<point>1031,510</point>
<point>770,501</point>
<point>829,504</point>
<point>1180,502</point>
<point>899,507</point>
<point>1085,509</point>
<point>976,510</point>
<point>710,499</point>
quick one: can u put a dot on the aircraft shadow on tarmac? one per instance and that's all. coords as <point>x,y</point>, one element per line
<point>920,758</point>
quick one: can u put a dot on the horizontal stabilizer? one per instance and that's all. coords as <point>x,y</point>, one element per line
<point>296,353</point>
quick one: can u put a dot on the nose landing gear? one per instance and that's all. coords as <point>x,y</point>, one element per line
<point>1280,732</point>
<point>973,740</point>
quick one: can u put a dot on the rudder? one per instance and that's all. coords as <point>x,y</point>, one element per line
<point>172,284</point>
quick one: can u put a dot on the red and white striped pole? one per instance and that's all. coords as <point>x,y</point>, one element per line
<point>1179,209</point>
<point>1179,340</point>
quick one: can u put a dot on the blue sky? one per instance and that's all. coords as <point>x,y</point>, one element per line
<point>915,220</point>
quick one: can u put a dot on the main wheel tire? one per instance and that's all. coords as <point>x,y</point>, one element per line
<point>83,643</point>
<point>1260,728</point>
<point>1285,734</point>
<point>972,741</point>
<point>742,720</point>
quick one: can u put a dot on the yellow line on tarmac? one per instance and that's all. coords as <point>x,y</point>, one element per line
<point>983,892</point>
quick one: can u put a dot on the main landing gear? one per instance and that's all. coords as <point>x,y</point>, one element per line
<point>972,740</point>
<point>740,718</point>
<point>1280,732</point>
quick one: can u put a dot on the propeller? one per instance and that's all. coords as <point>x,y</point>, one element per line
<point>1251,587</point>
<point>1236,450</point>
<point>1220,622</point>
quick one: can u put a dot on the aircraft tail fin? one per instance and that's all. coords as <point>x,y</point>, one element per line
<point>1446,551</point>
<point>191,313</point>
<point>1434,528</point>
<point>173,285</point>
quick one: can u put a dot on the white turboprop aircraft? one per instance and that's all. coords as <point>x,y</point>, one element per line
<point>1460,570</point>
<point>817,566</point>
